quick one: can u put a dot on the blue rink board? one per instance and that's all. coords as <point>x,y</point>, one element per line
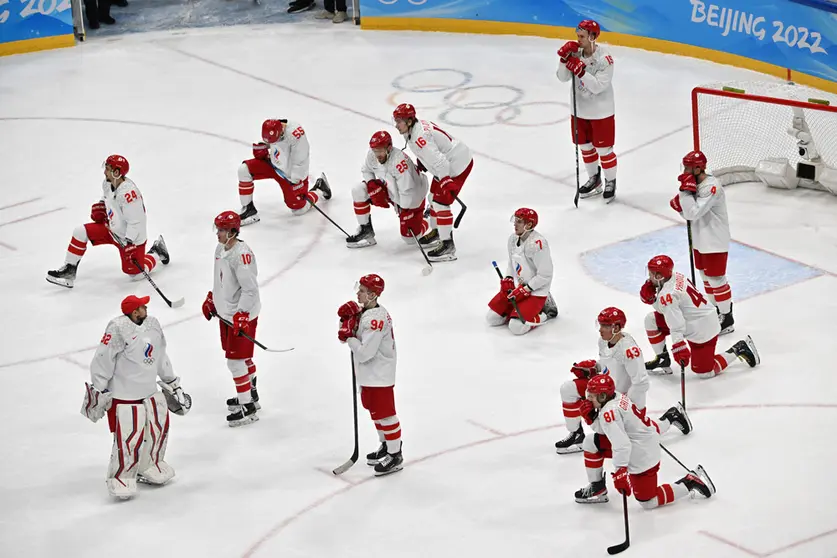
<point>750,271</point>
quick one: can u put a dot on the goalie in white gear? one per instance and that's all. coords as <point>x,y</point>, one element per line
<point>130,357</point>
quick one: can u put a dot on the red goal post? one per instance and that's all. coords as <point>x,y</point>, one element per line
<point>748,130</point>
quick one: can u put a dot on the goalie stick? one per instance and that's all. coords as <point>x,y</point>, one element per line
<point>621,547</point>
<point>251,339</point>
<point>353,459</point>
<point>176,304</point>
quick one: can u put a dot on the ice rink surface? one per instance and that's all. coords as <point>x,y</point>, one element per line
<point>480,409</point>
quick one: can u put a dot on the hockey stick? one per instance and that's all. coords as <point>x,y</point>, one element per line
<point>621,547</point>
<point>683,385</point>
<point>323,213</point>
<point>251,339</point>
<point>176,304</point>
<point>427,270</point>
<point>461,213</point>
<point>665,449</point>
<point>691,251</point>
<point>353,459</point>
<point>575,139</point>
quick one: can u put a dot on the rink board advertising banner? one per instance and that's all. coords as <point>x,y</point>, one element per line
<point>27,25</point>
<point>795,35</point>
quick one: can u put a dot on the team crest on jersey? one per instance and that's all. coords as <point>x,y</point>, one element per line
<point>148,353</point>
<point>518,268</point>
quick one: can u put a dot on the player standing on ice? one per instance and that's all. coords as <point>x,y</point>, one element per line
<point>367,328</point>
<point>130,357</point>
<point>389,177</point>
<point>621,358</point>
<point>593,126</point>
<point>528,278</point>
<point>701,200</point>
<point>282,156</point>
<point>450,162</point>
<point>235,298</point>
<point>118,217</point>
<point>623,433</point>
<point>681,311</point>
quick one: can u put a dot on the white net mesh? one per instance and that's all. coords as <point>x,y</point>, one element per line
<point>736,133</point>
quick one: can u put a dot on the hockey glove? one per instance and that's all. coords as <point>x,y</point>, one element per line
<point>569,48</point>
<point>585,369</point>
<point>347,328</point>
<point>675,204</point>
<point>681,352</point>
<point>178,401</point>
<point>687,183</point>
<point>96,403</point>
<point>261,151</point>
<point>208,307</point>
<point>506,285</point>
<point>576,66</point>
<point>588,412</point>
<point>378,192</point>
<point>648,292</point>
<point>130,250</point>
<point>98,212</point>
<point>621,482</point>
<point>349,310</point>
<point>447,186</point>
<point>520,294</point>
<point>241,322</point>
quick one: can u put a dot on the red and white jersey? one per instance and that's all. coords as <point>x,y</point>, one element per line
<point>440,153</point>
<point>289,155</point>
<point>688,314</point>
<point>625,364</point>
<point>236,288</point>
<point>708,213</point>
<point>530,262</point>
<point>634,438</point>
<point>373,348</point>
<point>126,211</point>
<point>593,90</point>
<point>129,359</point>
<point>407,187</point>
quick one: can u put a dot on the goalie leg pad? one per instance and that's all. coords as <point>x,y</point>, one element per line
<point>128,427</point>
<point>153,467</point>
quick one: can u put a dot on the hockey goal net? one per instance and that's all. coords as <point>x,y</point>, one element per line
<point>748,130</point>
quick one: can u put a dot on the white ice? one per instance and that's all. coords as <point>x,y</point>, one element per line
<point>480,408</point>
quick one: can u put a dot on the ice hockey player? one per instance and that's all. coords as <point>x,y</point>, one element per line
<point>118,219</point>
<point>366,327</point>
<point>593,128</point>
<point>621,358</point>
<point>129,359</point>
<point>701,200</point>
<point>623,433</point>
<point>681,311</point>
<point>282,155</point>
<point>527,280</point>
<point>389,178</point>
<point>235,297</point>
<point>450,162</point>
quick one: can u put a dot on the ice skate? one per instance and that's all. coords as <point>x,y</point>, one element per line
<point>364,237</point>
<point>244,415</point>
<point>593,186</point>
<point>610,190</point>
<point>431,240</point>
<point>322,185</point>
<point>726,321</point>
<point>444,253</point>
<point>698,482</point>
<point>746,351</point>
<point>677,416</point>
<point>233,405</point>
<point>376,456</point>
<point>65,276</point>
<point>159,247</point>
<point>249,214</point>
<point>661,365</point>
<point>391,463</point>
<point>550,309</point>
<point>570,444</point>
<point>593,493</point>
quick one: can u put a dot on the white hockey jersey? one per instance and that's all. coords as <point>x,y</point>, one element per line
<point>289,155</point>
<point>635,438</point>
<point>373,349</point>
<point>626,366</point>
<point>126,211</point>
<point>530,262</point>
<point>439,152</point>
<point>687,312</point>
<point>708,213</point>
<point>407,187</point>
<point>129,359</point>
<point>235,288</point>
<point>593,90</point>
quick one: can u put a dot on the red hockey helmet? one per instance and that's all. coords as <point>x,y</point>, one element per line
<point>380,139</point>
<point>663,265</point>
<point>373,282</point>
<point>592,28</point>
<point>612,316</point>
<point>118,162</point>
<point>404,111</point>
<point>272,130</point>
<point>601,383</point>
<point>228,220</point>
<point>695,159</point>
<point>526,214</point>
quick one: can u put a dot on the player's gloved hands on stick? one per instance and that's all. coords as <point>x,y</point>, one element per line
<point>568,49</point>
<point>675,204</point>
<point>621,482</point>
<point>588,412</point>
<point>349,310</point>
<point>520,294</point>
<point>98,212</point>
<point>584,369</point>
<point>447,185</point>
<point>687,182</point>
<point>507,285</point>
<point>208,307</point>
<point>347,328</point>
<point>576,66</point>
<point>378,192</point>
<point>648,292</point>
<point>241,322</point>
<point>260,151</point>
<point>682,354</point>
<point>130,249</point>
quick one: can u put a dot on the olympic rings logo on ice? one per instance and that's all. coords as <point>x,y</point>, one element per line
<point>463,104</point>
<point>413,2</point>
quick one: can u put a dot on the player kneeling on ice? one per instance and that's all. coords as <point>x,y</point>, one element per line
<point>235,298</point>
<point>525,288</point>
<point>389,178</point>
<point>367,328</point>
<point>623,433</point>
<point>621,358</point>
<point>130,357</point>
<point>118,219</point>
<point>282,155</point>
<point>681,311</point>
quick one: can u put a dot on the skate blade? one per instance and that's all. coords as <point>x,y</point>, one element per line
<point>610,199</point>
<point>391,471</point>
<point>664,371</point>
<point>751,344</point>
<point>236,408</point>
<point>362,244</point>
<point>593,194</point>
<point>443,258</point>
<point>683,413</point>
<point>576,448</point>
<point>250,220</point>
<point>598,500</point>
<point>60,282</point>
<point>244,421</point>
<point>701,472</point>
<point>726,330</point>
